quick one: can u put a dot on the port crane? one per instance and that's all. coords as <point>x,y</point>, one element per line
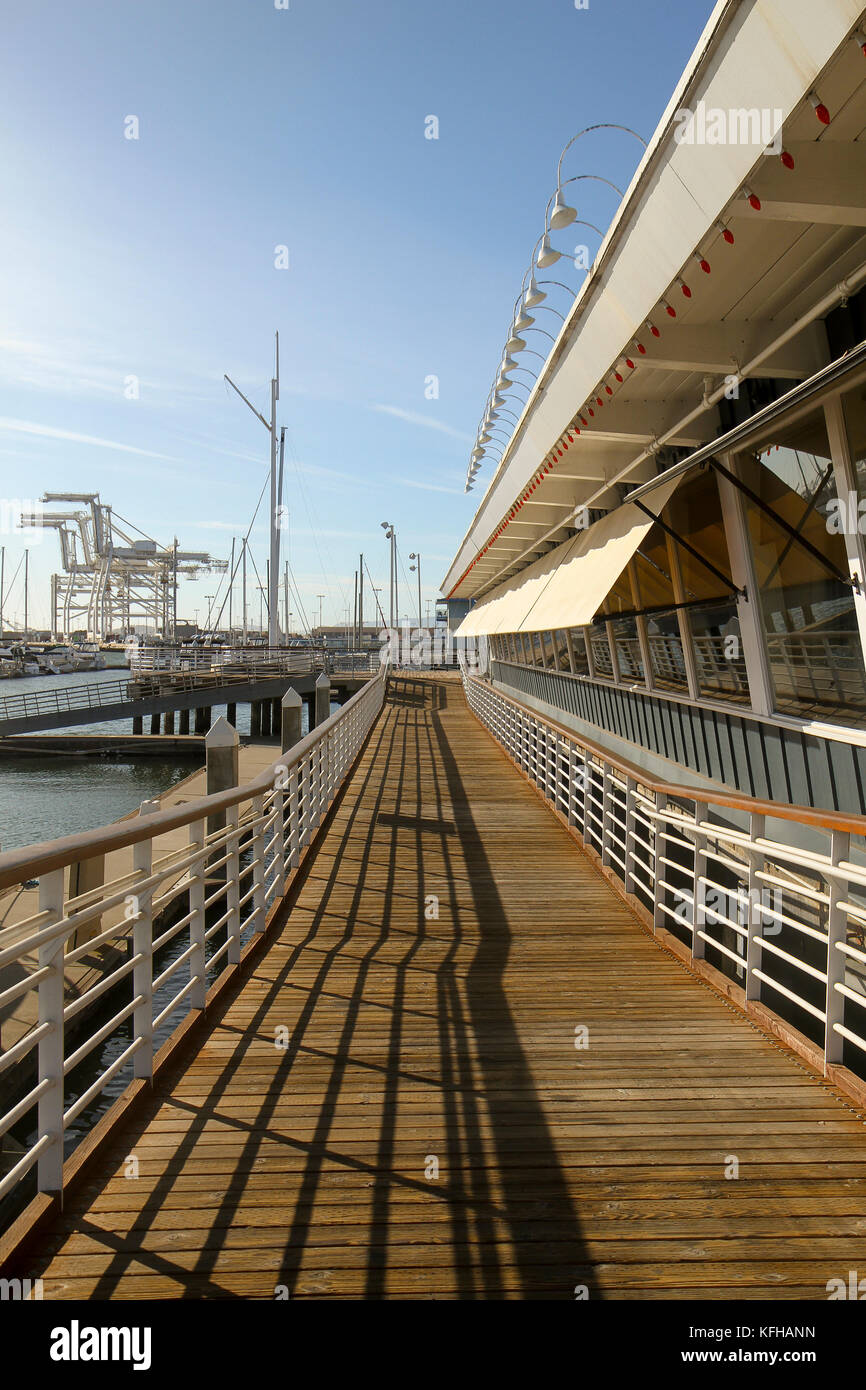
<point>113,577</point>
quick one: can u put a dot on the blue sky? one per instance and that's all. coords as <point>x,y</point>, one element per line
<point>304,127</point>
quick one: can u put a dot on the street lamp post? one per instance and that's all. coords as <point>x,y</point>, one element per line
<point>417,566</point>
<point>391,535</point>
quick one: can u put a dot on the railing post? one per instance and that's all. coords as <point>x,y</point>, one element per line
<point>233,873</point>
<point>630,791</point>
<point>50,1115</point>
<point>661,803</point>
<point>142,945</point>
<point>258,846</point>
<point>587,797</point>
<point>699,890</point>
<point>837,926</point>
<point>605,802</point>
<point>279,838</point>
<point>197,917</point>
<point>754,915</point>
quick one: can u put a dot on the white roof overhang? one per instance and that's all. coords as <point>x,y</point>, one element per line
<point>807,237</point>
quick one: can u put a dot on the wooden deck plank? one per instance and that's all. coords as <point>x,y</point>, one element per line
<point>411,1038</point>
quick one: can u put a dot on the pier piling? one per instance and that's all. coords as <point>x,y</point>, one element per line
<point>323,698</point>
<point>221,758</point>
<point>290,711</point>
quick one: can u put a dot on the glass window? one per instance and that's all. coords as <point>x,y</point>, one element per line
<point>601,652</point>
<point>813,642</point>
<point>628,652</point>
<point>547,647</point>
<point>718,648</point>
<point>560,652</point>
<point>578,647</point>
<point>537,649</point>
<point>666,651</point>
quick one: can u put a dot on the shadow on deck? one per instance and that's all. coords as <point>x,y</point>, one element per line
<point>393,1103</point>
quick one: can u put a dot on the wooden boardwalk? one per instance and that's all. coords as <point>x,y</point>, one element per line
<point>431,1130</point>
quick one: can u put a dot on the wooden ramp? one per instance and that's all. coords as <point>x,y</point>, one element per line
<point>430,1129</point>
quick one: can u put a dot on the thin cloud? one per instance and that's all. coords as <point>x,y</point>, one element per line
<point>70,436</point>
<point>425,421</point>
<point>429,487</point>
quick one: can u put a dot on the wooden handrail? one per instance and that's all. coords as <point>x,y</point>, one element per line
<point>33,860</point>
<point>751,805</point>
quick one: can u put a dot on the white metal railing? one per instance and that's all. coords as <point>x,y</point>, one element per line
<point>823,667</point>
<point>773,897</point>
<point>221,862</point>
<point>145,659</point>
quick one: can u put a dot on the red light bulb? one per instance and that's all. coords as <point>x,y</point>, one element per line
<point>787,159</point>
<point>819,108</point>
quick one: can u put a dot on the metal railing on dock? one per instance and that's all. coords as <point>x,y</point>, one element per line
<point>772,897</point>
<point>229,855</point>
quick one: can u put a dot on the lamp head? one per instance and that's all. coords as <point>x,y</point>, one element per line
<point>547,255</point>
<point>562,215</point>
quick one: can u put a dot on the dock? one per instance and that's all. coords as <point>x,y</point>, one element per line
<point>460,1066</point>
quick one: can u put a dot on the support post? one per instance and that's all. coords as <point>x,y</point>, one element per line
<point>154,724</point>
<point>221,758</point>
<point>837,929</point>
<point>255,718</point>
<point>184,721</point>
<point>137,724</point>
<point>290,719</point>
<point>168,722</point>
<point>50,1116</point>
<point>233,874</point>
<point>754,915</point>
<point>323,698</point>
<point>197,894</point>
<point>84,876</point>
<point>142,947</point>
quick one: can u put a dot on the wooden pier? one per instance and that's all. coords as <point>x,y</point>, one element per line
<point>397,1100</point>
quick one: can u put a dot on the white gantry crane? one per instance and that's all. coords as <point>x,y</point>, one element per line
<point>113,581</point>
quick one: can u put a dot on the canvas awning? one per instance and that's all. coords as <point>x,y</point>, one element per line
<point>566,588</point>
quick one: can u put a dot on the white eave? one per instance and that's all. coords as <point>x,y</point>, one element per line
<point>752,54</point>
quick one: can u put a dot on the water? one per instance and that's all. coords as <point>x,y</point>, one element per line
<point>44,798</point>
